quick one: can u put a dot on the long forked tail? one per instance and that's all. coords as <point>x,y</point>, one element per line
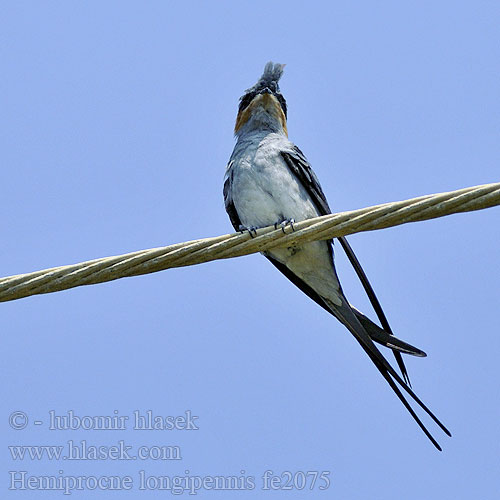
<point>380,336</point>
<point>347,317</point>
<point>374,302</point>
<point>376,333</point>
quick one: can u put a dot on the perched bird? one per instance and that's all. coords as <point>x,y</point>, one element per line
<point>269,181</point>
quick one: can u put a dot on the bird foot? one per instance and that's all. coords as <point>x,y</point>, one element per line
<point>252,230</point>
<point>283,223</point>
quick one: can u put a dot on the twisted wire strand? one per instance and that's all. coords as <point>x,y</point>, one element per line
<point>235,245</point>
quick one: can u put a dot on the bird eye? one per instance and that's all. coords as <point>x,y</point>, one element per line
<point>282,102</point>
<point>246,100</point>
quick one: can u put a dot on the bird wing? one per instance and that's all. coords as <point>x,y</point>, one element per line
<point>302,170</point>
<point>300,167</point>
<point>228,200</point>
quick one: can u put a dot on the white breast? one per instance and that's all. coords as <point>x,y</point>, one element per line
<point>264,191</point>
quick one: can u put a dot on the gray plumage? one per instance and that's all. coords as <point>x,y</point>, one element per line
<point>269,181</point>
<point>270,78</point>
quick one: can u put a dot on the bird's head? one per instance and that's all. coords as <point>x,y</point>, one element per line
<point>262,106</point>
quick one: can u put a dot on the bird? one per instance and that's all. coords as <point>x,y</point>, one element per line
<point>268,181</point>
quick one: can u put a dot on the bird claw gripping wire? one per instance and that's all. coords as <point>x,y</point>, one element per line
<point>252,230</point>
<point>284,223</point>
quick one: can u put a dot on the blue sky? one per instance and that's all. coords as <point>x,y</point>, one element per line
<point>115,130</point>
